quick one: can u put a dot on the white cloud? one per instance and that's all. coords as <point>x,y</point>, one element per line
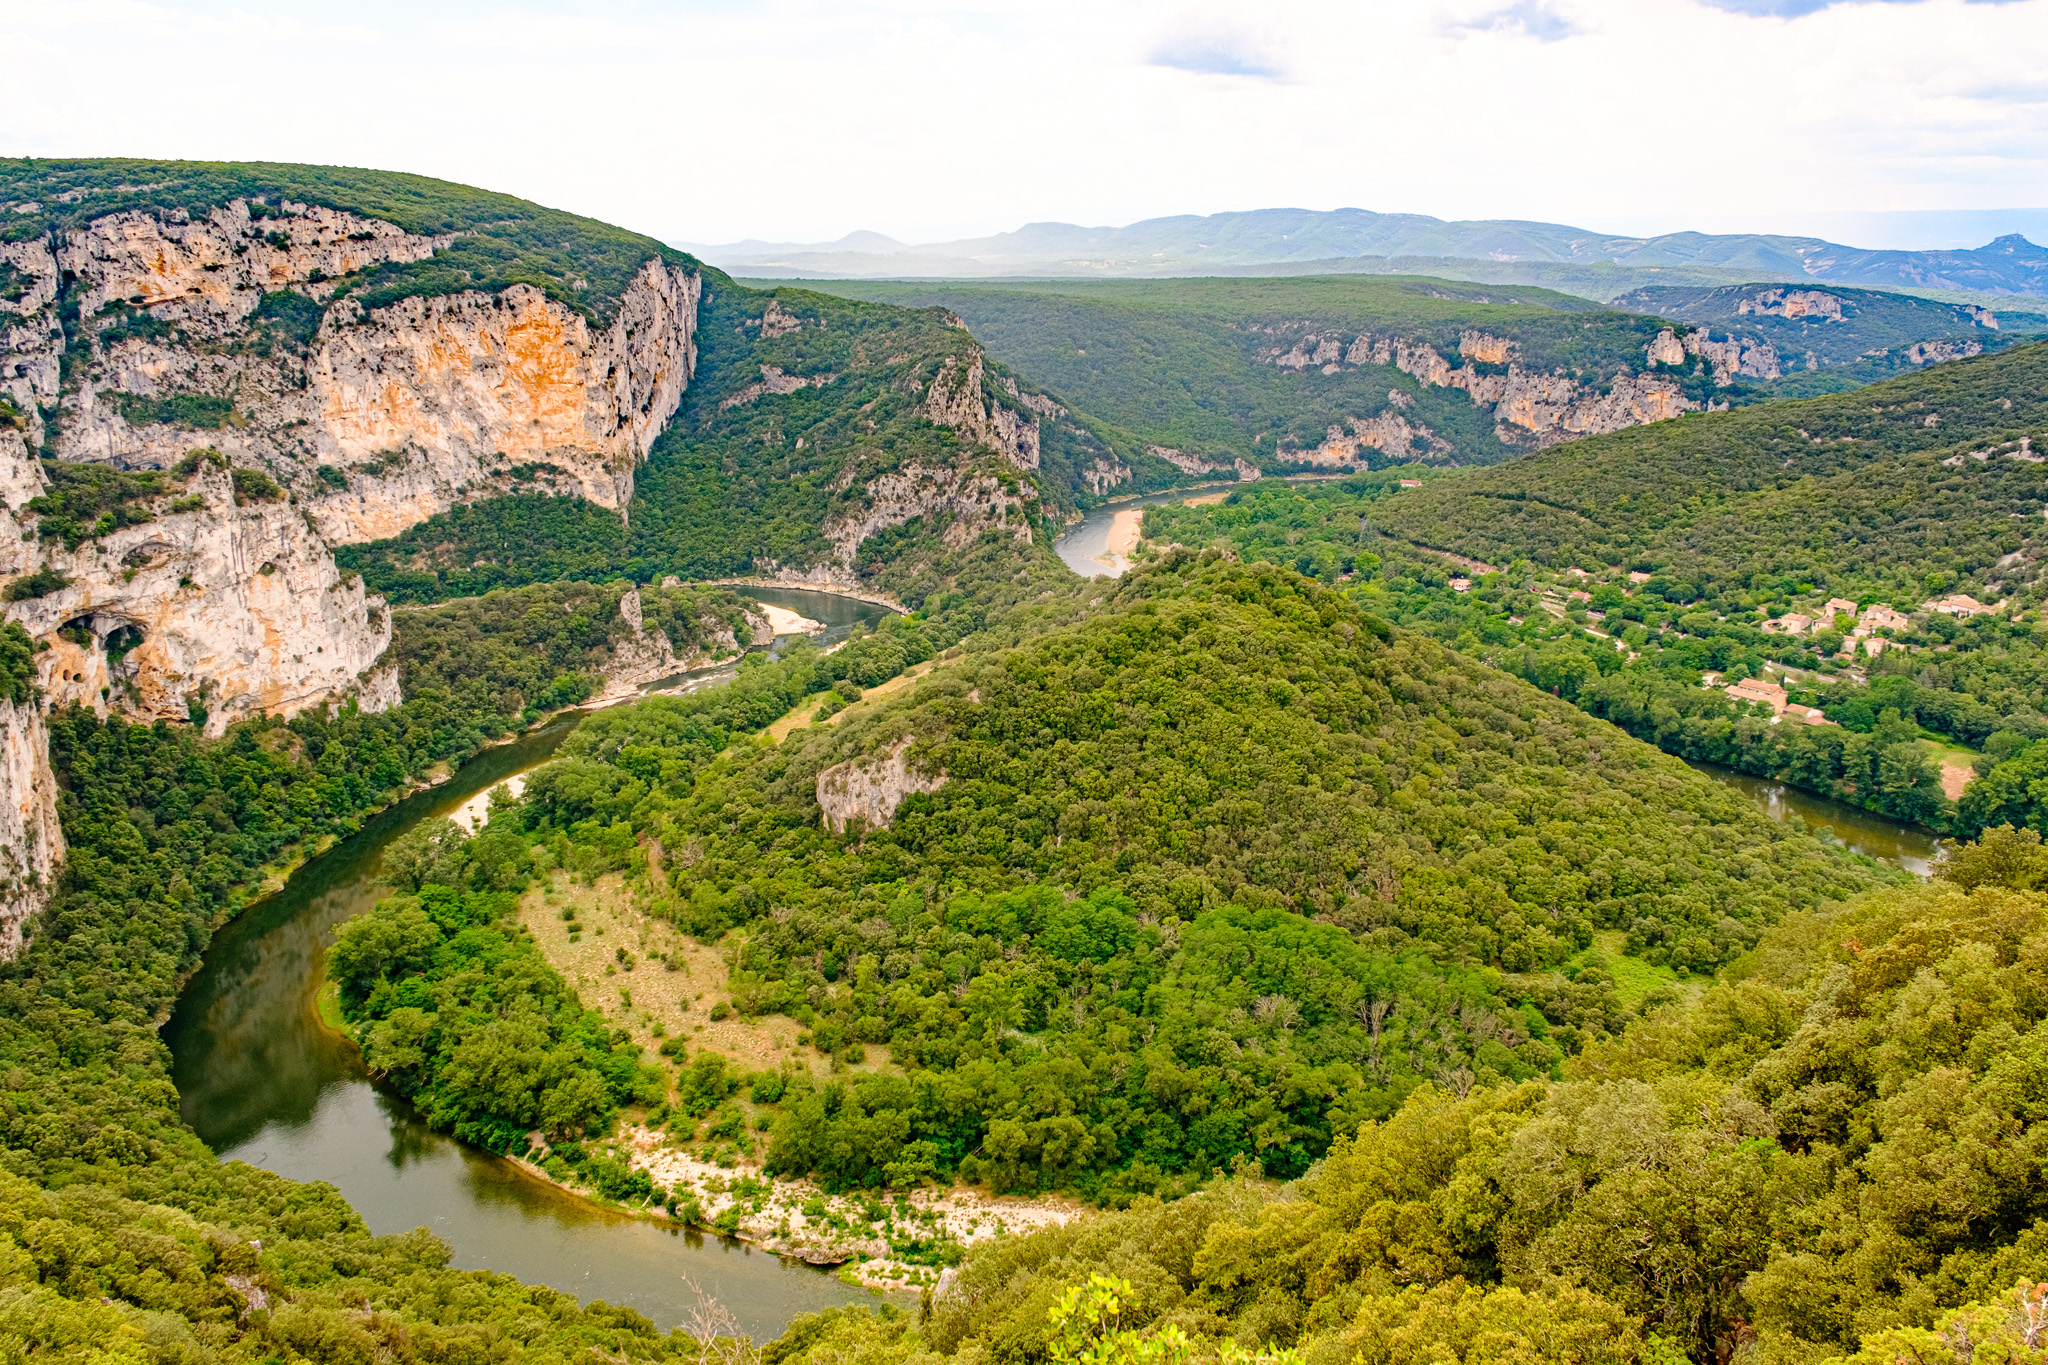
<point>802,119</point>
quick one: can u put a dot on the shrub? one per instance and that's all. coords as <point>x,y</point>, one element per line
<point>253,485</point>
<point>41,583</point>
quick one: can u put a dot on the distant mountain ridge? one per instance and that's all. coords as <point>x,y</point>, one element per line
<point>1346,238</point>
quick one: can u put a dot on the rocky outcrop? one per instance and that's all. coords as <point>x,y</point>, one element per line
<point>1792,303</point>
<point>773,381</point>
<point>958,398</point>
<point>1389,432</point>
<point>966,502</point>
<point>640,656</point>
<point>1196,465</point>
<point>1750,357</point>
<point>866,792</point>
<point>231,610</point>
<point>31,841</point>
<point>1526,405</point>
<point>1935,352</point>
<point>1104,474</point>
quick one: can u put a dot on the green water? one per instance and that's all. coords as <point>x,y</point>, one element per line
<point>1904,846</point>
<point>262,1081</point>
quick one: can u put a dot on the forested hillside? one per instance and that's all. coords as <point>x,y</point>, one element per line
<point>1190,365</point>
<point>1829,1154</point>
<point>1225,805</point>
<point>1924,484</point>
<point>1636,653</point>
<point>523,652</point>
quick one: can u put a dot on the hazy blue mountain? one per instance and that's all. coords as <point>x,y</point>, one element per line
<point>1227,242</point>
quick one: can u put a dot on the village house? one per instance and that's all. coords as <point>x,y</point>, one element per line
<point>1963,606</point>
<point>1875,619</point>
<point>1805,715</point>
<point>1753,690</point>
<point>1838,606</point>
<point>1791,623</point>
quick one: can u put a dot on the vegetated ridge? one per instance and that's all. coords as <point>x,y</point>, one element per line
<point>1277,375</point>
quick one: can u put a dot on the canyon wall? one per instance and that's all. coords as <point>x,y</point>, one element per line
<point>31,843</point>
<point>1527,406</point>
<point>282,415</point>
<point>328,422</point>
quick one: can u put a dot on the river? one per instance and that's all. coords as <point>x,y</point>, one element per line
<point>1903,846</point>
<point>1082,543</point>
<point>263,1081</point>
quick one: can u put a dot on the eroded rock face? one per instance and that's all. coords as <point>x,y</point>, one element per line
<point>236,611</point>
<point>369,420</point>
<point>434,402</point>
<point>866,792</point>
<point>970,503</point>
<point>958,399</point>
<point>31,841</point>
<point>1526,405</point>
<point>223,264</point>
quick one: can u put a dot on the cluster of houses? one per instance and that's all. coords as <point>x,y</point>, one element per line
<point>1863,633</point>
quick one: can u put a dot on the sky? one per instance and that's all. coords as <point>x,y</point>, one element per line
<point>801,120</point>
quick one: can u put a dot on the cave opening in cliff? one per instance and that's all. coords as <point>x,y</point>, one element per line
<point>120,642</point>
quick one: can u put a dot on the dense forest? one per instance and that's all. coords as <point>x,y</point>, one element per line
<point>1829,1154</point>
<point>1217,872</point>
<point>1918,486</point>
<point>1178,363</point>
<point>1978,683</point>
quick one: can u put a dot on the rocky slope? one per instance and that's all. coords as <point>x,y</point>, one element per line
<point>1526,405</point>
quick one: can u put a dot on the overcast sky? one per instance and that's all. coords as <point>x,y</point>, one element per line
<point>801,120</point>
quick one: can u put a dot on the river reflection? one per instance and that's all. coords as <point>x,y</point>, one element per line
<point>261,1080</point>
<point>1903,846</point>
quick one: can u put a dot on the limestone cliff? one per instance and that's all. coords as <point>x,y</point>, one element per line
<point>239,332</point>
<point>31,843</point>
<point>233,609</point>
<point>958,397</point>
<point>1527,406</point>
<point>865,793</point>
